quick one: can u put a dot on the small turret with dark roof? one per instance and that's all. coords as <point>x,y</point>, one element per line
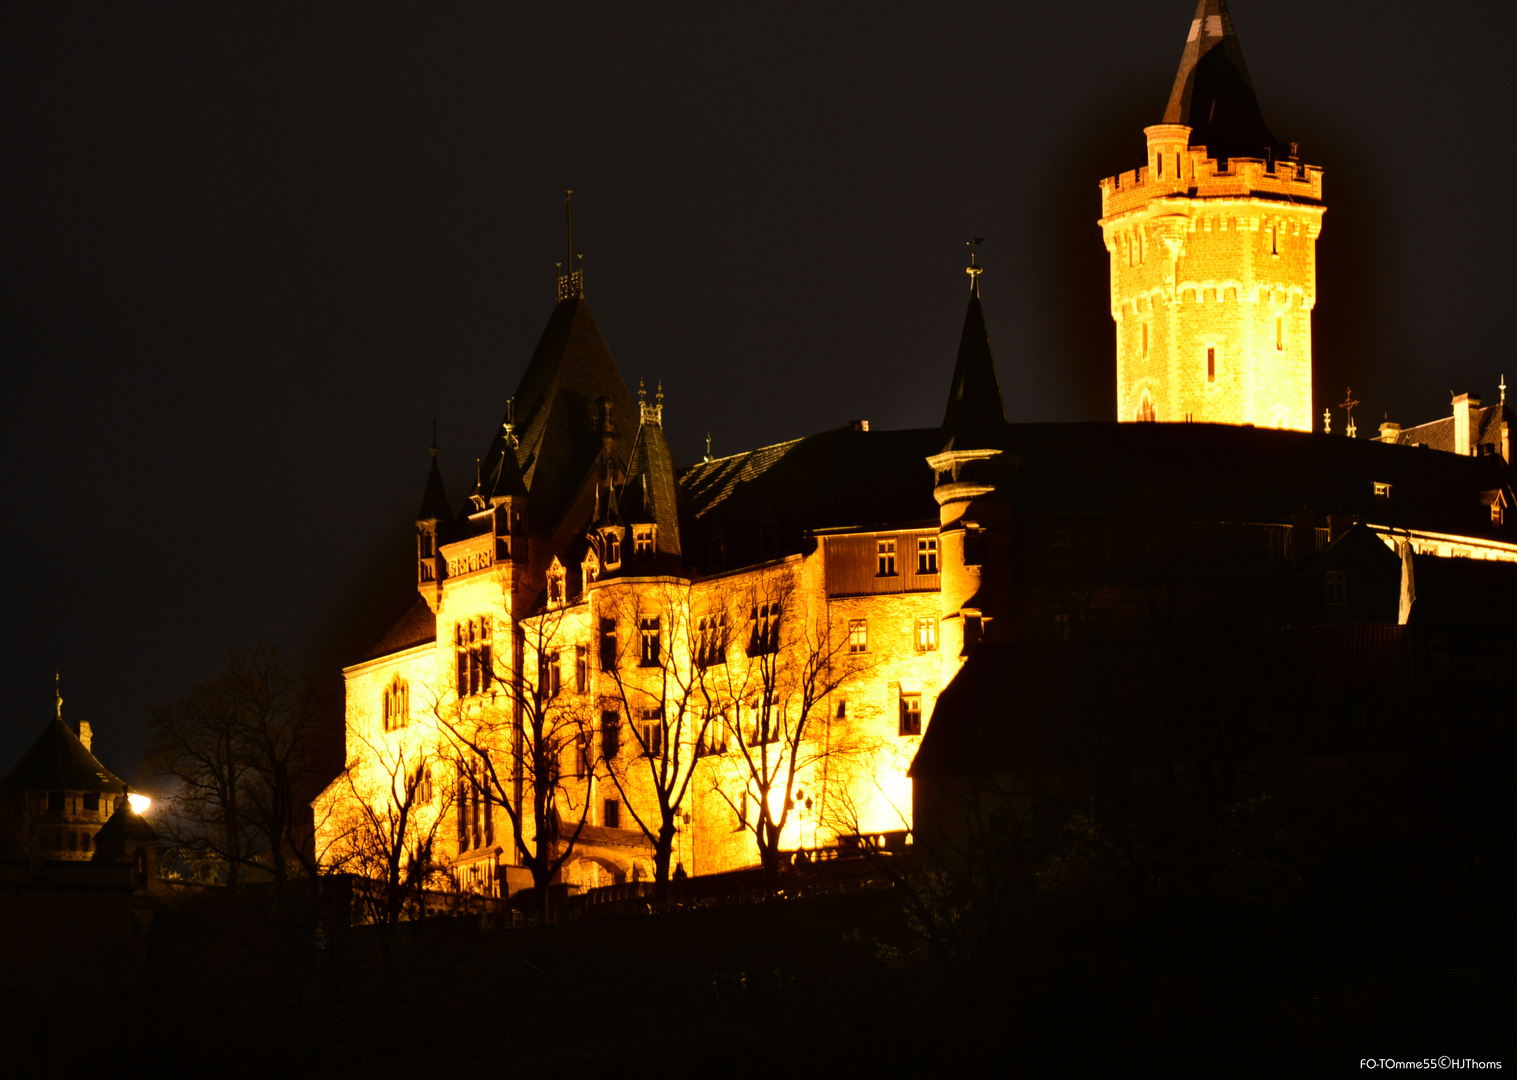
<point>1213,94</point>
<point>647,501</point>
<point>975,418</point>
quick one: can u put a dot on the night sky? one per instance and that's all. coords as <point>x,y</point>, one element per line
<point>251,255</point>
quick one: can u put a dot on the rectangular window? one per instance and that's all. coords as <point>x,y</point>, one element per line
<point>610,735</point>
<point>471,648</point>
<point>886,558</point>
<point>766,630</point>
<point>653,732</point>
<point>1145,341</point>
<point>713,739</point>
<point>1211,364</point>
<point>92,802</point>
<point>1279,333</point>
<point>927,633</point>
<point>642,543</point>
<point>581,669</point>
<point>1061,627</point>
<point>1382,490</point>
<point>911,714</point>
<point>858,635</point>
<point>711,643</point>
<point>927,555</point>
<point>611,814</point>
<point>549,676</point>
<point>649,630</point>
<point>1335,588</point>
<point>608,644</point>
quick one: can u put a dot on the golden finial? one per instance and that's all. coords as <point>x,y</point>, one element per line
<point>1348,407</point>
<point>642,391</point>
<point>1503,389</point>
<point>58,691</point>
<point>974,270</point>
<point>659,397</point>
<point>1327,421</point>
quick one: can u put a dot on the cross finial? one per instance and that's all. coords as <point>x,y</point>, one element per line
<point>1348,408</point>
<point>708,446</point>
<point>1503,389</point>
<point>974,270</point>
<point>659,396</point>
<point>1327,421</point>
<point>510,424</point>
<point>58,691</point>
<point>642,391</point>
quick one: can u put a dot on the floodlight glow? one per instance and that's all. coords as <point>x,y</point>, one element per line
<point>139,803</point>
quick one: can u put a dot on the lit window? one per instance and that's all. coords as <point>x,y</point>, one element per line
<point>1382,491</point>
<point>613,549</point>
<point>1335,588</point>
<point>858,635</point>
<point>397,704</point>
<point>423,788</point>
<point>1279,333</point>
<point>1145,341</point>
<point>713,738</point>
<point>581,669</point>
<point>642,542</point>
<point>886,558</point>
<point>711,640</point>
<point>911,714</point>
<point>927,633</point>
<point>1146,411</point>
<point>1211,364</point>
<point>649,629</point>
<point>927,555</point>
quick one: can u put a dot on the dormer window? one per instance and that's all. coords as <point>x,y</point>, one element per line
<point>591,568</point>
<point>613,549</point>
<point>1382,490</point>
<point>556,583</point>
<point>642,542</point>
<point>885,558</point>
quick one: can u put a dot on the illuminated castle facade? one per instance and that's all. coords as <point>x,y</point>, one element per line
<point>1213,253</point>
<point>607,649</point>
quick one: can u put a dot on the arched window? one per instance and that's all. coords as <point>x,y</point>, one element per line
<point>1146,411</point>
<point>397,704</point>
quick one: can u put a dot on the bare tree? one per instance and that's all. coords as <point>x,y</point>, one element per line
<point>514,726</point>
<point>657,676</point>
<point>392,801</point>
<point>240,751</point>
<point>777,730</point>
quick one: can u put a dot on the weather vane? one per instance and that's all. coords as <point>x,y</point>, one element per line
<point>1348,408</point>
<point>973,270</point>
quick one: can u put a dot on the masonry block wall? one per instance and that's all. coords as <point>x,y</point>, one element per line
<point>1213,281</point>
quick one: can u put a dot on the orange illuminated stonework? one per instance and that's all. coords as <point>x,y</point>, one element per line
<point>1212,245</point>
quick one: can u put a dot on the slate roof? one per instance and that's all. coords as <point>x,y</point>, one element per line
<point>58,761</point>
<point>556,406</point>
<point>649,496</point>
<point>975,418</point>
<point>418,626</point>
<point>1485,428</point>
<point>1213,93</point>
<point>835,479</point>
<point>434,502</point>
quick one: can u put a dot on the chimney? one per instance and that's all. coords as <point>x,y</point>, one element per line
<point>86,736</point>
<point>1337,525</point>
<point>1462,406</point>
<point>1390,432</point>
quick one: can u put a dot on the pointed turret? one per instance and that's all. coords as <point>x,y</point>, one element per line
<point>647,500</point>
<point>1213,94</point>
<point>975,418</point>
<point>973,512</point>
<point>431,520</point>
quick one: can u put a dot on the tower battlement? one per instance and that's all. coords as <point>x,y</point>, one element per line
<point>1212,246</point>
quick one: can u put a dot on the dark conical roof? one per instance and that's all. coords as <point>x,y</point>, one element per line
<point>649,495</point>
<point>506,481</point>
<point>1213,93</point>
<point>123,832</point>
<point>557,406</point>
<point>434,504</point>
<point>976,418</point>
<point>58,761</point>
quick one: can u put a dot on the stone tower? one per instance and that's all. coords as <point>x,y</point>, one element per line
<point>974,516</point>
<point>1213,253</point>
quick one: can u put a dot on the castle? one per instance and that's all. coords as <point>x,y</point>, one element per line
<point>616,669</point>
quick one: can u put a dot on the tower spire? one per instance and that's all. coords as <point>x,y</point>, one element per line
<point>1213,94</point>
<point>976,416</point>
<point>571,283</point>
